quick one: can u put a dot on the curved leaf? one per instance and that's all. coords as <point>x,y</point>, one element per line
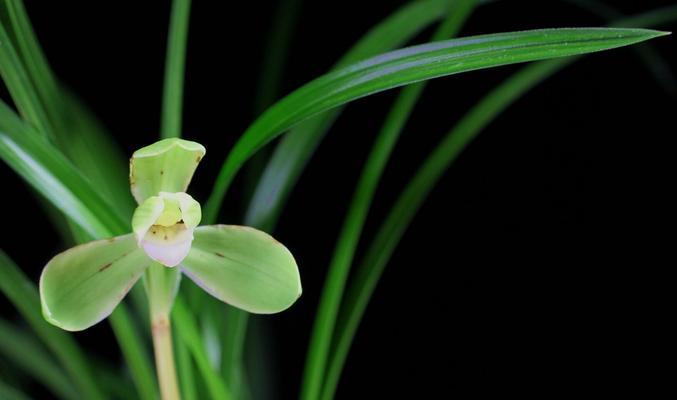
<point>51,174</point>
<point>351,231</point>
<point>416,190</point>
<point>296,147</point>
<point>23,294</point>
<point>411,65</point>
<point>243,267</point>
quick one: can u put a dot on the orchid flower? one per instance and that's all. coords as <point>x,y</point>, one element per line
<point>238,265</point>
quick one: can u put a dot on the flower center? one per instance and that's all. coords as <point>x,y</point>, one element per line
<point>171,213</point>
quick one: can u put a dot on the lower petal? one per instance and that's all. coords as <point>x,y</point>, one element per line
<point>243,267</point>
<point>84,284</point>
<point>167,245</point>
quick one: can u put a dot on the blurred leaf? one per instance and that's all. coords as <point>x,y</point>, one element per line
<point>9,393</point>
<point>137,357</point>
<point>188,333</point>
<point>24,352</point>
<point>20,86</point>
<point>51,174</point>
<point>172,99</point>
<point>243,267</point>
<point>185,367</point>
<point>407,66</point>
<point>48,172</point>
<point>24,296</point>
<point>417,189</point>
<point>67,121</point>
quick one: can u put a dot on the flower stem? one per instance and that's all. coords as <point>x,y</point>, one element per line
<point>164,356</point>
<point>161,284</point>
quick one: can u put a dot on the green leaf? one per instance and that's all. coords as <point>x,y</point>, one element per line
<point>47,171</point>
<point>411,65</point>
<point>188,333</point>
<point>24,296</point>
<point>417,189</point>
<point>20,86</point>
<point>650,57</point>
<point>185,369</point>
<point>82,285</point>
<point>75,131</point>
<point>346,245</point>
<point>296,147</point>
<point>52,175</point>
<point>137,357</point>
<point>164,166</point>
<point>7,392</point>
<point>172,98</point>
<point>243,267</point>
<point>25,353</point>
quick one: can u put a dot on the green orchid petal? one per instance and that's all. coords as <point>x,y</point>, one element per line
<point>84,284</point>
<point>243,267</point>
<point>164,226</point>
<point>191,212</point>
<point>164,166</point>
<point>146,214</point>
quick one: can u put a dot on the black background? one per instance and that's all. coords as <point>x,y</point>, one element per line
<point>538,266</point>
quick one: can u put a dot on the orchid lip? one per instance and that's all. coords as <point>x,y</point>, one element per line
<point>164,225</point>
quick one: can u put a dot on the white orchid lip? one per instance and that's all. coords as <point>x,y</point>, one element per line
<point>164,226</point>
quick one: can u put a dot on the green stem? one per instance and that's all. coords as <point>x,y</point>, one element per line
<point>164,356</point>
<point>161,284</point>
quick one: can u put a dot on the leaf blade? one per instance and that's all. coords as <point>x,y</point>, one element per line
<point>172,99</point>
<point>412,197</point>
<point>412,65</point>
<point>51,174</point>
<point>24,296</point>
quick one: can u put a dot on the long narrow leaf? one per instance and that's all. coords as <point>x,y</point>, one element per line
<point>349,237</point>
<point>24,295</point>
<point>296,147</point>
<point>7,392</point>
<point>411,65</point>
<point>188,332</point>
<point>185,367</point>
<point>412,197</point>
<point>651,59</point>
<point>74,129</point>
<point>272,66</point>
<point>51,174</point>
<point>20,86</point>
<point>47,171</point>
<point>28,355</point>
<point>172,99</point>
<point>135,354</point>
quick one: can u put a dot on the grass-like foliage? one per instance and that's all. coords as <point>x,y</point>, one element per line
<point>54,143</point>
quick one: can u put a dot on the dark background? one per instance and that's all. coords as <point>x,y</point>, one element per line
<point>539,265</point>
